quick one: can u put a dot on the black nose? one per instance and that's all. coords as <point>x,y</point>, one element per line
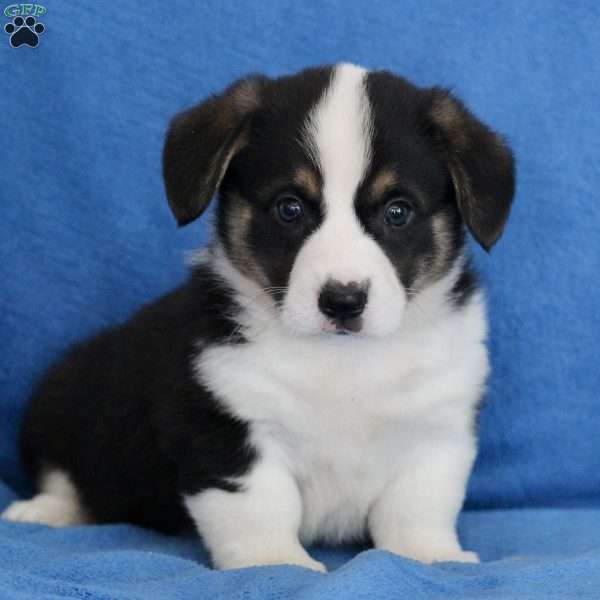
<point>339,301</point>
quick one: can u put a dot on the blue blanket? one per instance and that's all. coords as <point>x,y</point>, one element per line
<point>86,237</point>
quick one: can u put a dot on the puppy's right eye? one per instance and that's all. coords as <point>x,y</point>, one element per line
<point>289,208</point>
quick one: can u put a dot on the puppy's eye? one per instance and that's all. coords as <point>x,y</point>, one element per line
<point>398,213</point>
<point>289,208</point>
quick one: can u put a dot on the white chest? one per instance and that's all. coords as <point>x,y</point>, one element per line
<point>345,416</point>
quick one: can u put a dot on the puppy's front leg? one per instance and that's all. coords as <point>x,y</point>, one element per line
<point>257,525</point>
<point>416,514</point>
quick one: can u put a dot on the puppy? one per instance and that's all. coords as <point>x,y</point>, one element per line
<point>318,376</point>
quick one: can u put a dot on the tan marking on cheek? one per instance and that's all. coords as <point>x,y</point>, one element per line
<point>306,179</point>
<point>239,220</point>
<point>431,268</point>
<point>383,182</point>
<point>443,241</point>
<point>442,236</point>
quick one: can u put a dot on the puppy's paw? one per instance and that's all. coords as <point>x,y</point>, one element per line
<point>433,553</point>
<point>465,556</point>
<point>46,509</point>
<point>256,557</point>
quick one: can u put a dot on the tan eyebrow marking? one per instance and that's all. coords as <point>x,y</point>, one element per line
<point>383,182</point>
<point>306,179</point>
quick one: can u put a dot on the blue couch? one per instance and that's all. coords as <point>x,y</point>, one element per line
<point>86,236</point>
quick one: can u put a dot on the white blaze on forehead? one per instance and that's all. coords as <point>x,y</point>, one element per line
<point>338,130</point>
<point>338,136</point>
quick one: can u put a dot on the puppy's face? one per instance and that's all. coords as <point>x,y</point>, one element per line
<point>343,192</point>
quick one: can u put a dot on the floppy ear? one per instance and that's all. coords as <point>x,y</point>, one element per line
<point>480,164</point>
<point>200,144</point>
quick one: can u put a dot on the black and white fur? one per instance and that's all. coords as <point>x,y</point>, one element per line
<point>235,403</point>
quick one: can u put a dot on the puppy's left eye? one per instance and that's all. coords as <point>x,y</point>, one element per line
<point>398,213</point>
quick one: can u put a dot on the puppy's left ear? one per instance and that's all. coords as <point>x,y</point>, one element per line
<point>202,141</point>
<point>480,164</point>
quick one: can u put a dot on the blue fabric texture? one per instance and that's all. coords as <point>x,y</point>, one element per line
<point>86,237</point>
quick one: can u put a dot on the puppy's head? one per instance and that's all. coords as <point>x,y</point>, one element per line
<point>343,193</point>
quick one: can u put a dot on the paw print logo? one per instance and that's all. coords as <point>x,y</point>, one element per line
<point>24,31</point>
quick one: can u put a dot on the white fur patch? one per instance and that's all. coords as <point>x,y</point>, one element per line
<point>338,129</point>
<point>255,526</point>
<point>354,434</point>
<point>339,133</point>
<point>56,505</point>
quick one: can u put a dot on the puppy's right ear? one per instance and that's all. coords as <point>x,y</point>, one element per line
<point>200,144</point>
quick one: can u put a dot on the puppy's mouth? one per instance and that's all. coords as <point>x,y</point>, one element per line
<point>349,326</point>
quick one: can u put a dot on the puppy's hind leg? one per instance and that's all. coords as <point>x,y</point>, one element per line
<point>56,505</point>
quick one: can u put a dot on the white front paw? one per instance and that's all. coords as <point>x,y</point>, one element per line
<point>431,553</point>
<point>467,556</point>
<point>239,558</point>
